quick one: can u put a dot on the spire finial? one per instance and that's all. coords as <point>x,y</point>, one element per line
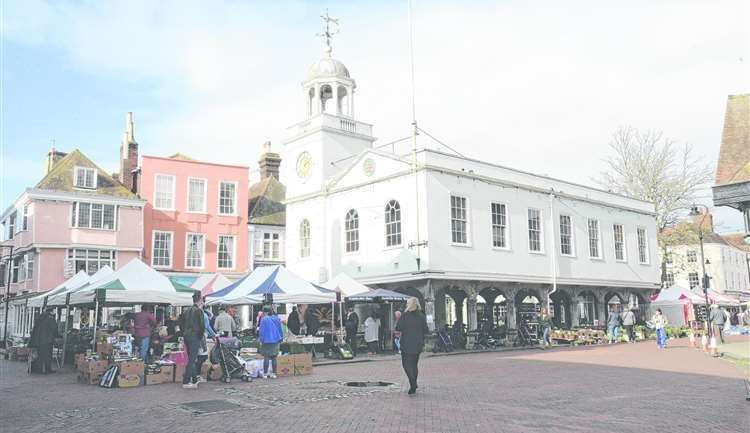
<point>328,32</point>
<point>130,133</point>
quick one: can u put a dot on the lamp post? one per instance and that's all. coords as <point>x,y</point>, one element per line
<point>694,212</point>
<point>9,270</point>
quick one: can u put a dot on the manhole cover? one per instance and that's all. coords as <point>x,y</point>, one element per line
<point>366,384</point>
<point>210,406</point>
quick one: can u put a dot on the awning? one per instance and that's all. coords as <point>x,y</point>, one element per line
<point>285,287</point>
<point>346,285</point>
<point>378,295</point>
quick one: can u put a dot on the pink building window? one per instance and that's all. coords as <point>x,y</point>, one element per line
<point>226,252</point>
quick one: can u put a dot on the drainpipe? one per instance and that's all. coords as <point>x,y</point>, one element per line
<point>553,250</point>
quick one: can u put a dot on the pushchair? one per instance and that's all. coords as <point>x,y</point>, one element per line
<point>443,342</point>
<point>230,362</point>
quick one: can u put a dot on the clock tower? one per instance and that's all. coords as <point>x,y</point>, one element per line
<point>322,145</point>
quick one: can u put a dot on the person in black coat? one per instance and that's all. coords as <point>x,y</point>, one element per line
<point>311,321</point>
<point>352,325</point>
<point>43,336</point>
<point>413,327</point>
<point>292,322</point>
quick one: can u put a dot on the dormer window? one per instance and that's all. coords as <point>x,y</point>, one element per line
<point>85,177</point>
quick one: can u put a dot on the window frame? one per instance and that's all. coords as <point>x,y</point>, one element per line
<point>305,245</point>
<point>691,256</point>
<point>234,198</point>
<point>234,252</point>
<point>571,235</point>
<point>396,223</point>
<point>624,258</point>
<point>204,208</point>
<point>76,177</point>
<point>351,217</point>
<point>646,252</point>
<point>540,230</point>
<point>697,280</point>
<point>203,250</point>
<point>173,193</point>
<point>505,227</point>
<point>466,221</point>
<point>669,279</point>
<point>171,249</point>
<point>25,217</point>
<point>111,262</point>
<point>76,214</point>
<point>600,255</point>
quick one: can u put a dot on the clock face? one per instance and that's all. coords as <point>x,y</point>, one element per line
<point>369,167</point>
<point>304,165</point>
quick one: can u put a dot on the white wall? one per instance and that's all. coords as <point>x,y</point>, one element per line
<point>727,266</point>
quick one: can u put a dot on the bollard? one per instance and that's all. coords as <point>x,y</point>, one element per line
<point>704,343</point>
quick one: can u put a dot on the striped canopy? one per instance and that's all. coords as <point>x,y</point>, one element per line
<point>278,281</point>
<point>209,283</point>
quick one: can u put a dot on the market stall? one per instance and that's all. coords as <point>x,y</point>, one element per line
<point>277,282</point>
<point>71,283</point>
<point>210,283</point>
<point>380,297</point>
<point>677,304</point>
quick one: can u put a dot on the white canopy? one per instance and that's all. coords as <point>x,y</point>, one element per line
<point>134,283</point>
<point>209,283</point>
<point>286,288</point>
<point>58,299</point>
<point>346,285</point>
<point>676,295</point>
<point>76,280</point>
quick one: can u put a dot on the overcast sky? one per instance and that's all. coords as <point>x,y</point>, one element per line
<point>539,86</point>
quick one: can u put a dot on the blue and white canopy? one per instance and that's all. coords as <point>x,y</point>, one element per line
<point>286,288</point>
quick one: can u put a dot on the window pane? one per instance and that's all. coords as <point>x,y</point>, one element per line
<point>498,225</point>
<point>459,221</point>
<point>96,216</point>
<point>619,238</point>
<point>163,197</point>
<point>197,195</point>
<point>226,252</point>
<point>162,254</point>
<point>351,229</point>
<point>593,238</point>
<point>194,251</point>
<point>84,214</point>
<point>109,217</point>
<point>392,223</point>
<point>226,198</point>
<point>535,230</point>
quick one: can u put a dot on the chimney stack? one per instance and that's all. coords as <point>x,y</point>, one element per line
<point>269,162</point>
<point>708,223</point>
<point>53,157</point>
<point>128,155</point>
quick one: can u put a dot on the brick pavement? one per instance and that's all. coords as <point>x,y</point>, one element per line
<point>623,388</point>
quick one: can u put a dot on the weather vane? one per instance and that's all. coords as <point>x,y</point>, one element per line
<point>328,31</point>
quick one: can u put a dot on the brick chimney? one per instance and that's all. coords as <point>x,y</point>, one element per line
<point>708,223</point>
<point>53,157</point>
<point>128,155</point>
<point>269,162</point>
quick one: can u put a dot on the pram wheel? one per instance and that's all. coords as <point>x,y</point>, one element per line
<point>246,379</point>
<point>227,379</point>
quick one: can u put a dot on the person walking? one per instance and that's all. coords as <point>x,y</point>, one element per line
<point>545,323</point>
<point>270,336</point>
<point>397,334</point>
<point>144,323</point>
<point>351,326</point>
<point>372,328</point>
<point>613,325</point>
<point>718,318</point>
<point>659,322</point>
<point>43,336</point>
<point>293,322</point>
<point>413,326</point>
<point>628,322</point>
<point>193,329</point>
<point>224,324</point>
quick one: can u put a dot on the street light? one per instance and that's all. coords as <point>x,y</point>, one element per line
<point>694,212</point>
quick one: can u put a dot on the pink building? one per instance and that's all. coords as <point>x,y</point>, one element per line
<point>77,217</point>
<point>195,217</point>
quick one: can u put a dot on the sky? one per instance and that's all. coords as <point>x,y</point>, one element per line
<point>538,86</point>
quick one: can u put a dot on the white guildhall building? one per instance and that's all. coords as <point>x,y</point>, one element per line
<point>480,230</point>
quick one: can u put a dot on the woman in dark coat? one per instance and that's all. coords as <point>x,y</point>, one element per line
<point>413,326</point>
<point>43,336</point>
<point>292,322</point>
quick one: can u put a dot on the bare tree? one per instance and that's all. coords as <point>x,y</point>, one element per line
<point>649,167</point>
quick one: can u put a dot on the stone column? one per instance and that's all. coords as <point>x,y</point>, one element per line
<point>472,311</point>
<point>440,313</point>
<point>336,102</point>
<point>511,303</point>
<point>574,322</point>
<point>317,104</point>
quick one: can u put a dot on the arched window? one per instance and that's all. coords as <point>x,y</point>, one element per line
<point>351,229</point>
<point>392,224</point>
<point>586,309</point>
<point>304,238</point>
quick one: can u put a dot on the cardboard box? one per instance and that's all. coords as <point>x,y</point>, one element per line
<point>165,375</point>
<point>130,380</point>
<point>104,349</point>
<point>179,371</point>
<point>284,366</point>
<point>131,367</point>
<point>211,371</point>
<point>89,378</point>
<point>302,364</point>
<point>94,367</point>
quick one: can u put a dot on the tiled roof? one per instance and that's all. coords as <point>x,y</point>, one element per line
<point>181,157</point>
<point>734,155</point>
<point>737,240</point>
<point>265,202</point>
<point>60,178</point>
